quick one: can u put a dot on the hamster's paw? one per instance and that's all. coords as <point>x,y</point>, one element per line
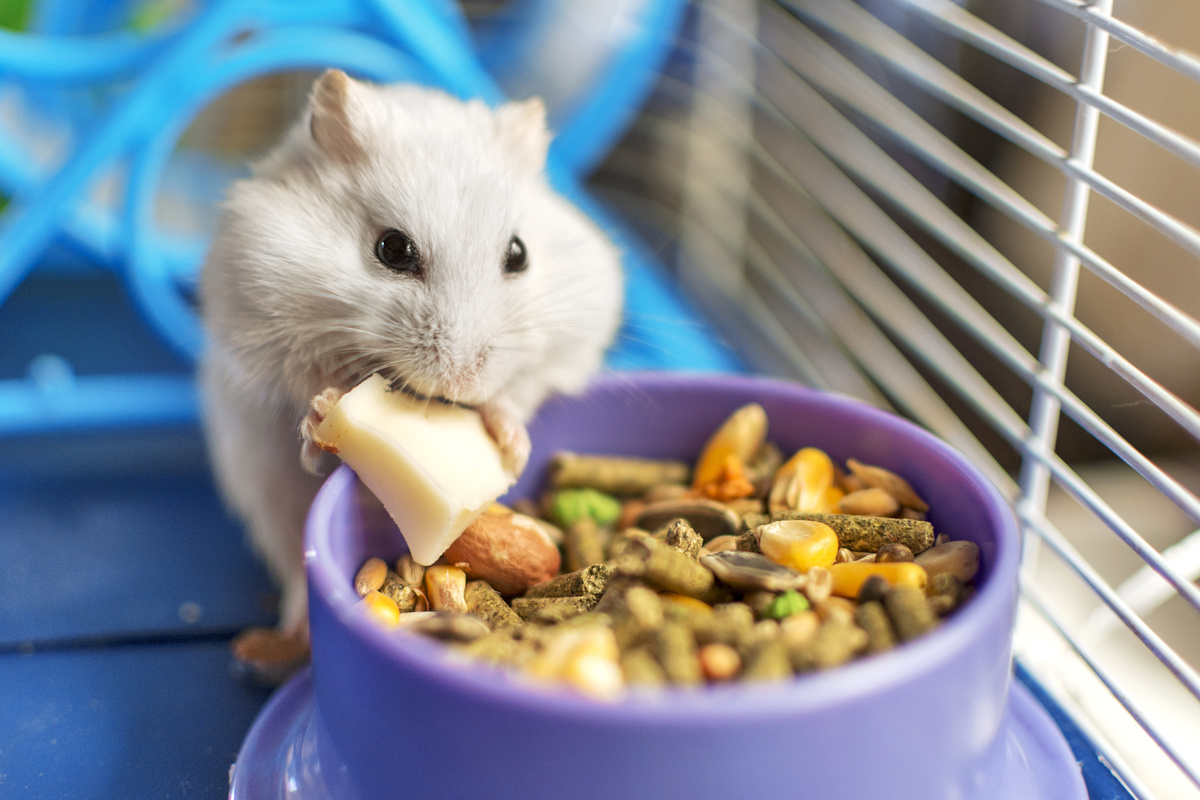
<point>270,655</point>
<point>311,450</point>
<point>509,433</point>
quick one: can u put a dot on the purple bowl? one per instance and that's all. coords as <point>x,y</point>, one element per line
<point>921,721</point>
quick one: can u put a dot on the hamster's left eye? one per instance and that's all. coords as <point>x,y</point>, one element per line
<point>515,259</point>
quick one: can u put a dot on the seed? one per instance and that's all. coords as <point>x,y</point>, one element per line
<point>409,570</point>
<point>381,608</point>
<point>749,571</point>
<point>818,584</point>
<point>370,576</point>
<point>707,517</point>
<point>719,662</point>
<point>959,558</point>
<point>893,553</point>
<point>890,482</point>
<point>873,502</point>
<point>716,545</point>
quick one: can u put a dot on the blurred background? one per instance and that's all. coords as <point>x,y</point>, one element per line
<point>979,214</point>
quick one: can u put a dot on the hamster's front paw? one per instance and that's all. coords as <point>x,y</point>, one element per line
<point>509,433</point>
<point>311,451</point>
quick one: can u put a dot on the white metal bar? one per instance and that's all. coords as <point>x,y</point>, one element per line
<point>882,360</point>
<point>1032,594</point>
<point>970,29</point>
<point>1180,61</point>
<point>974,249</point>
<point>1064,288</point>
<point>849,85</point>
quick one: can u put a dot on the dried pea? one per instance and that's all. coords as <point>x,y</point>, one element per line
<point>568,506</point>
<point>786,604</point>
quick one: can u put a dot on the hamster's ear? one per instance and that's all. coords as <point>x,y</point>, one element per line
<point>522,126</point>
<point>336,103</point>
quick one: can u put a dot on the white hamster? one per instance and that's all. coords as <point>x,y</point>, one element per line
<point>395,230</point>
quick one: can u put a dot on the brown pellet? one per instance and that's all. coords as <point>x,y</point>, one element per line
<point>613,475</point>
<point>666,568</point>
<point>909,612</point>
<point>676,646</point>
<point>590,581</point>
<point>527,607</point>
<point>486,603</point>
<point>873,619</point>
<point>684,538</point>
<point>641,668</point>
<point>407,597</point>
<point>768,661</point>
<point>583,544</point>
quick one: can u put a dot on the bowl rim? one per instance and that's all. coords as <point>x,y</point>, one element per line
<point>428,660</point>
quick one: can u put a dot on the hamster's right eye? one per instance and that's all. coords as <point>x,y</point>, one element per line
<point>397,252</point>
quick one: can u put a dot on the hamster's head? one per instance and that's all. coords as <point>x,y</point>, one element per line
<point>406,232</point>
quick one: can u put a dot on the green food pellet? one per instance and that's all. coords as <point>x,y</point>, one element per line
<point>571,505</point>
<point>786,604</point>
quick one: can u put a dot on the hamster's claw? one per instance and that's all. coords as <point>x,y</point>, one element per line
<point>509,433</point>
<point>311,451</point>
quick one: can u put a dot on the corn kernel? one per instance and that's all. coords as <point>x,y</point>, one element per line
<point>382,608</point>
<point>849,578</point>
<point>797,543</point>
<point>741,435</point>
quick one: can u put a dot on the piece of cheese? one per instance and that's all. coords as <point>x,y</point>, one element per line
<point>432,465</point>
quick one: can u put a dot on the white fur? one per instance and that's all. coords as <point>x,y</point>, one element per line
<point>295,301</point>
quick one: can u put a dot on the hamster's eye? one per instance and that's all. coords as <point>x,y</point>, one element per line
<point>397,252</point>
<point>515,260</point>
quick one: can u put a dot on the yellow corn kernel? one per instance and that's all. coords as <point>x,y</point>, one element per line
<point>446,588</point>
<point>798,543</point>
<point>805,483</point>
<point>382,608</point>
<point>685,602</point>
<point>742,434</point>
<point>848,578</point>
